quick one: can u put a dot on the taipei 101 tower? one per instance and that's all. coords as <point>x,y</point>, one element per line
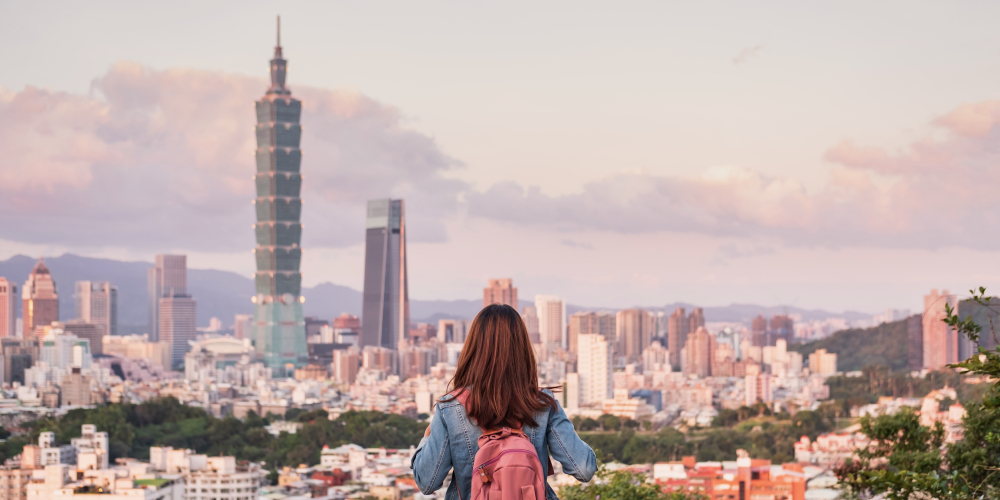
<point>279,334</point>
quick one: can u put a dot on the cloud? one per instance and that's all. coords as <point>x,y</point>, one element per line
<point>934,193</point>
<point>746,54</point>
<point>163,159</point>
<point>576,244</point>
<point>732,251</point>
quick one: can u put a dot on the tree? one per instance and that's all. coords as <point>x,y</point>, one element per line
<point>610,422</point>
<point>969,468</point>
<point>621,485</point>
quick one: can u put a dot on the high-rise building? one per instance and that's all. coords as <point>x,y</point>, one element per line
<point>678,327</point>
<point>915,342</point>
<point>40,301</point>
<point>97,303</point>
<point>551,321</point>
<point>634,332</point>
<point>757,388</point>
<point>8,308</point>
<point>279,332</point>
<point>530,317</point>
<point>167,278</point>
<point>594,369</point>
<point>700,352</point>
<point>780,327</point>
<point>940,340</point>
<point>385,309</point>
<point>87,331</point>
<point>696,319</point>
<point>178,326</point>
<point>500,291</point>
<point>987,318</point>
<point>241,326</point>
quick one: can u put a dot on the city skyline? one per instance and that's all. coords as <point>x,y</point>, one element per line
<point>603,183</point>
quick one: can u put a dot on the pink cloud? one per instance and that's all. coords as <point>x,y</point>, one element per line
<point>155,159</point>
<point>937,192</point>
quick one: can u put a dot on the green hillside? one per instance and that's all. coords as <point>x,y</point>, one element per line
<point>856,348</point>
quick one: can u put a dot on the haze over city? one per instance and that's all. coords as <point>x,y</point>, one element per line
<point>825,157</point>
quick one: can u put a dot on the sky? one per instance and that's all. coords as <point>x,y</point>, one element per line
<point>838,156</point>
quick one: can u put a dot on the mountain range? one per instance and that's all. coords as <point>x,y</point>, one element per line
<point>223,294</point>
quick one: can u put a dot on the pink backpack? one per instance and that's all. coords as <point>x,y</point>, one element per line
<point>506,466</point>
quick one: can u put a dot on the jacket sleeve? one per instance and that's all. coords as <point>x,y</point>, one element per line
<point>432,459</point>
<point>576,457</point>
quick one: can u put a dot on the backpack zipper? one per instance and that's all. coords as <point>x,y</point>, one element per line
<point>485,476</point>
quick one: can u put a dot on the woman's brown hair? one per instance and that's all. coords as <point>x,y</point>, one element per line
<point>497,365</point>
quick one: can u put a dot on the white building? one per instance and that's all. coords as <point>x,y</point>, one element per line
<point>551,312</point>
<point>594,369</point>
<point>216,478</point>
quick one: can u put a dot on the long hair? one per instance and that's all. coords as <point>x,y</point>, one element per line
<point>497,365</point>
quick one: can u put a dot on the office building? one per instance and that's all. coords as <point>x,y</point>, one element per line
<point>279,333</point>
<point>167,278</point>
<point>40,300</point>
<point>241,326</point>
<point>8,308</point>
<point>678,327</point>
<point>178,326</point>
<point>97,304</point>
<point>594,369</point>
<point>94,334</point>
<point>314,328</point>
<point>941,342</point>
<point>385,309</point>
<point>345,365</point>
<point>500,291</point>
<point>530,317</point>
<point>634,332</point>
<point>700,353</point>
<point>583,323</point>
<point>551,321</point>
<point>75,388</point>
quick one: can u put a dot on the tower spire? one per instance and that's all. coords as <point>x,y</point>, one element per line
<point>279,67</point>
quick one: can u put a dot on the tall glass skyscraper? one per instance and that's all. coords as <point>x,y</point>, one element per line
<point>385,313</point>
<point>279,333</point>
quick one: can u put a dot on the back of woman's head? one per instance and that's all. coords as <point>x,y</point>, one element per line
<point>497,365</point>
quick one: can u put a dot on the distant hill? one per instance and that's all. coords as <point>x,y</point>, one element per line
<point>857,348</point>
<point>223,294</point>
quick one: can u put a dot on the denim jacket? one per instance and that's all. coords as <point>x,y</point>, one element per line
<point>453,444</point>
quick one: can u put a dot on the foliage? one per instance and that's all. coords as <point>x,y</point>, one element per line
<point>132,429</point>
<point>856,348</point>
<point>621,485</point>
<point>903,467</point>
<point>879,381</point>
<point>770,439</point>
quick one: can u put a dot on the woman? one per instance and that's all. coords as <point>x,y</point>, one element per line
<point>497,367</point>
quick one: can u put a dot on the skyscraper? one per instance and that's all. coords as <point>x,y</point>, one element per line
<point>500,291</point>
<point>677,331</point>
<point>8,308</point>
<point>40,299</point>
<point>634,332</point>
<point>385,311</point>
<point>530,317</point>
<point>551,321</point>
<point>700,352</point>
<point>178,315</point>
<point>594,368</point>
<point>97,303</point>
<point>167,278</point>
<point>940,340</point>
<point>279,333</point>
<point>583,323</point>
